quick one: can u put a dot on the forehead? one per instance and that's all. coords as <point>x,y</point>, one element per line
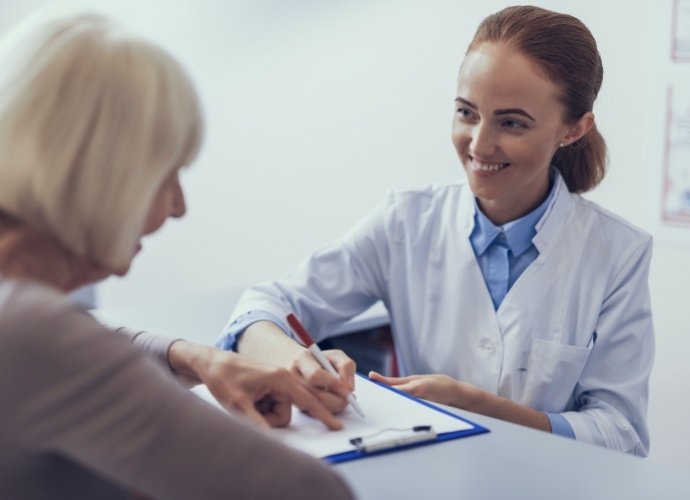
<point>495,75</point>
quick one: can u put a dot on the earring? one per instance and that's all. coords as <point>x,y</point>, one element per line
<point>560,145</point>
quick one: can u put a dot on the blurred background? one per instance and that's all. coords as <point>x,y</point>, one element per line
<point>315,109</point>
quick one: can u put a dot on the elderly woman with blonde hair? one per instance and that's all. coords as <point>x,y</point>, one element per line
<point>95,124</point>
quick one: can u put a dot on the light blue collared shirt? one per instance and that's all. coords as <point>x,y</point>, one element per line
<point>503,253</point>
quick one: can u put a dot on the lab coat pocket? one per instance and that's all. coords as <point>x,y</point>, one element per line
<point>551,374</point>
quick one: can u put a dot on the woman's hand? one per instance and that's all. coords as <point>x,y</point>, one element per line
<point>449,391</point>
<point>331,391</point>
<point>438,388</point>
<point>264,393</point>
<point>264,340</point>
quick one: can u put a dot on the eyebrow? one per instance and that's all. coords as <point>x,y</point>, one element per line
<point>498,112</point>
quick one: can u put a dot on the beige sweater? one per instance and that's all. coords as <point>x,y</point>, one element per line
<point>87,414</point>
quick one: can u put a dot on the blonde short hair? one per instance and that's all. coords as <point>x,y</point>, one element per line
<point>92,121</point>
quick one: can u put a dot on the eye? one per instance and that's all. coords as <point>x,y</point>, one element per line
<point>513,124</point>
<point>465,114</point>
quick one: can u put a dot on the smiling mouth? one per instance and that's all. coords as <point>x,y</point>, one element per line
<point>482,166</point>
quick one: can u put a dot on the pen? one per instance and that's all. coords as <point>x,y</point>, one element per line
<point>319,355</point>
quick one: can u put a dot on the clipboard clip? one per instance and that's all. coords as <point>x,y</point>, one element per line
<point>392,437</point>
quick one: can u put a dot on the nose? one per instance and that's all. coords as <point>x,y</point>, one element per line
<point>482,143</point>
<point>179,206</point>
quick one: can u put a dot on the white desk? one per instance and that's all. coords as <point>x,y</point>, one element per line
<point>513,462</point>
<point>510,462</point>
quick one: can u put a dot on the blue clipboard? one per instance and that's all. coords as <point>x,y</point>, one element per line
<point>414,437</point>
<point>398,421</point>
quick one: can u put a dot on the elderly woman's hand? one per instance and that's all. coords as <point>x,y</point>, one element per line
<point>264,393</point>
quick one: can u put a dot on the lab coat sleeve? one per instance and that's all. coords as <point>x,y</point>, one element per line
<point>612,393</point>
<point>325,290</point>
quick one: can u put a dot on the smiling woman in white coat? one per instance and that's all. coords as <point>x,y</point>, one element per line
<point>509,294</point>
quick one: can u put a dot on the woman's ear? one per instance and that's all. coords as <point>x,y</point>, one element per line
<point>579,128</point>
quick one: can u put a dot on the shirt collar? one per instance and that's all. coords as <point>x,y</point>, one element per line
<point>518,233</point>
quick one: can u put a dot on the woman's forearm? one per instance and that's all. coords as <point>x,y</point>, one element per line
<point>265,341</point>
<point>495,406</point>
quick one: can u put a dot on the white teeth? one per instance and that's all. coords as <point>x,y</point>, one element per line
<point>487,167</point>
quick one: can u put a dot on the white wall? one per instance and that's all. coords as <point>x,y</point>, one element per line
<point>315,109</point>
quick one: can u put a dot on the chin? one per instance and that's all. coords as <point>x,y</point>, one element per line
<point>484,192</point>
<point>122,269</point>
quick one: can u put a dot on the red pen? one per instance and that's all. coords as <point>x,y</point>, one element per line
<point>319,355</point>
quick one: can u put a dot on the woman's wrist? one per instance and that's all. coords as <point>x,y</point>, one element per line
<point>265,341</point>
<point>467,397</point>
<point>187,359</point>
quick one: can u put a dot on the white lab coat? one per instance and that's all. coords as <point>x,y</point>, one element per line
<point>413,253</point>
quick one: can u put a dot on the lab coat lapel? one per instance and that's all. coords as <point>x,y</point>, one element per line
<point>555,240</point>
<point>540,295</point>
<point>458,333</point>
<point>482,341</point>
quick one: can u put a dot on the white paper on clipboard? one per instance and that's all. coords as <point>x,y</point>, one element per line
<point>383,408</point>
